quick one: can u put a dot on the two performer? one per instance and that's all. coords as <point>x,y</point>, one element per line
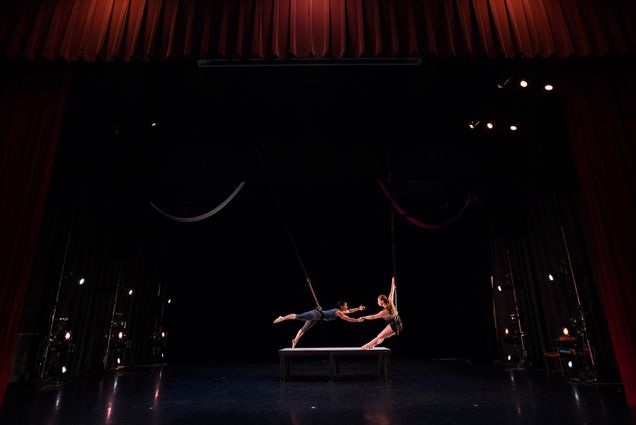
<point>389,313</point>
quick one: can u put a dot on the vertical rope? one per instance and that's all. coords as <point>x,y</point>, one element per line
<point>392,226</point>
<point>288,229</point>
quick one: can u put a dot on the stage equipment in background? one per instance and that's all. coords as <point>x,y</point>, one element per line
<point>202,216</point>
<point>117,337</point>
<point>59,346</point>
<point>577,344</point>
<point>160,333</point>
<point>515,319</point>
<point>510,329</point>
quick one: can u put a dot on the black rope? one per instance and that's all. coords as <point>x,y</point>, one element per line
<point>288,229</point>
<point>391,218</point>
<point>392,224</point>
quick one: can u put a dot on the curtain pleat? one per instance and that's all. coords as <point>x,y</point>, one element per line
<point>499,15</point>
<point>372,18</point>
<point>466,24</point>
<point>262,28</point>
<point>337,29</point>
<point>187,31</point>
<point>539,27</point>
<point>451,30</point>
<point>484,29</point>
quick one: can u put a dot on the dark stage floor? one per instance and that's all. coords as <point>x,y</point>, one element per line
<point>421,392</point>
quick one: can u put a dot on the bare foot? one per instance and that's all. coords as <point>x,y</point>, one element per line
<point>278,319</point>
<point>294,341</point>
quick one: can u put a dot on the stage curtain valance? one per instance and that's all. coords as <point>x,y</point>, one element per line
<point>128,30</point>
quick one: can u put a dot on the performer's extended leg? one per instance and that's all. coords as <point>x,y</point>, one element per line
<point>386,333</point>
<point>287,317</point>
<point>308,324</point>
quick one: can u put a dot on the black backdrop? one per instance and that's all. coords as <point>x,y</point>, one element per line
<point>325,136</point>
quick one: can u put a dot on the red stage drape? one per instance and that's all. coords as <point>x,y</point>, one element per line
<point>602,130</point>
<point>31,109</point>
<point>271,29</point>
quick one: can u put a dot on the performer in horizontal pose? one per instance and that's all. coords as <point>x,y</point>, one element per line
<point>390,314</point>
<point>311,317</point>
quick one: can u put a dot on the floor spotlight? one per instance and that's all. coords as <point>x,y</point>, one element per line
<point>490,125</point>
<point>548,87</point>
<point>551,278</point>
<point>523,83</point>
<point>570,364</point>
<point>154,124</point>
<point>64,369</point>
<point>67,336</point>
<point>120,335</point>
<point>473,124</point>
<point>509,357</point>
<point>513,128</point>
<point>499,288</point>
<point>566,331</point>
<point>81,281</point>
<point>130,292</point>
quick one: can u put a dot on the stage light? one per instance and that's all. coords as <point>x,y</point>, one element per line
<point>130,292</point>
<point>499,288</point>
<point>548,87</point>
<point>570,364</point>
<point>81,281</point>
<point>121,335</point>
<point>523,83</point>
<point>169,300</point>
<point>118,360</point>
<point>163,334</point>
<point>490,125</point>
<point>67,336</point>
<point>513,128</point>
<point>506,331</point>
<point>551,278</point>
<point>504,83</point>
<point>154,124</point>
<point>64,369</point>
<point>509,357</point>
<point>162,355</point>
<point>566,331</point>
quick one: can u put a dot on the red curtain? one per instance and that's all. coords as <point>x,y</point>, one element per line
<point>274,29</point>
<point>31,109</point>
<point>602,131</point>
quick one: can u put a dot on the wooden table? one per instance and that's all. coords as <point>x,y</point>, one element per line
<point>334,354</point>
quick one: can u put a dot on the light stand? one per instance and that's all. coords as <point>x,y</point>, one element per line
<point>160,336</point>
<point>524,352</point>
<point>587,350</point>
<point>50,337</point>
<point>112,318</point>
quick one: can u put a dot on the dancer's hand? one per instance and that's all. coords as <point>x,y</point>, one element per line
<point>361,308</point>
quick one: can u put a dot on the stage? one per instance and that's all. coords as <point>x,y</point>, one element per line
<point>420,392</point>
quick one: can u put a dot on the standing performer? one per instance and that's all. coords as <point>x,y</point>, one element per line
<point>390,314</point>
<point>312,316</point>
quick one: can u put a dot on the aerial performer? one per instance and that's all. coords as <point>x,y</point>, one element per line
<point>390,314</point>
<point>312,317</point>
